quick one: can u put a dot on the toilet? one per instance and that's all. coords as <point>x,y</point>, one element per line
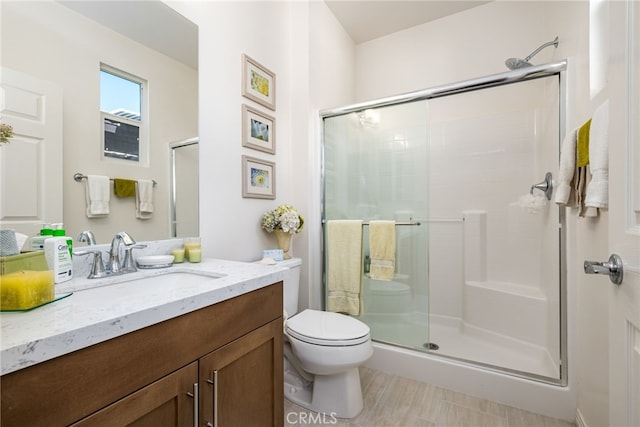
<point>323,351</point>
<point>386,297</point>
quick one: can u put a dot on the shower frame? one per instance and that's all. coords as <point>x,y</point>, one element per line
<point>557,69</point>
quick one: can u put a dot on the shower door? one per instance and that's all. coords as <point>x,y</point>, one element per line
<point>376,168</point>
<point>494,244</point>
<point>479,261</point>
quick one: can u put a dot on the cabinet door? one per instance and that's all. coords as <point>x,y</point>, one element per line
<point>242,383</point>
<point>166,402</point>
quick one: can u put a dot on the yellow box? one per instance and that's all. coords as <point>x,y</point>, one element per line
<point>22,290</point>
<point>32,261</point>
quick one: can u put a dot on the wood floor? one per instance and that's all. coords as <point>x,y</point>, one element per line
<point>390,400</point>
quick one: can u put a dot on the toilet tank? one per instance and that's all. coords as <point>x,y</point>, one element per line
<point>291,284</point>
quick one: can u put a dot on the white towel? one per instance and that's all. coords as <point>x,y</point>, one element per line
<point>566,171</point>
<point>144,199</point>
<point>382,248</point>
<point>344,266</point>
<point>598,187</point>
<point>98,191</point>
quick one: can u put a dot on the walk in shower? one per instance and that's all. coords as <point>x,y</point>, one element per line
<point>462,169</point>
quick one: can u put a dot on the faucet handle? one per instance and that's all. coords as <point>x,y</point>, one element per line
<point>128,264</point>
<point>97,268</point>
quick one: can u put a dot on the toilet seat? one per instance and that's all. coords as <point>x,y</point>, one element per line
<point>327,329</point>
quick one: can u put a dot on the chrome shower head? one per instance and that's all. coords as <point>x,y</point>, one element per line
<point>516,63</point>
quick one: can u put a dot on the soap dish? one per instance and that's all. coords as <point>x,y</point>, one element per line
<point>155,261</point>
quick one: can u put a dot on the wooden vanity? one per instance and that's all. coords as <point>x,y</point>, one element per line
<point>220,365</point>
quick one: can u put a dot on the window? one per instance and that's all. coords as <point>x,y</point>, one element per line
<point>121,109</point>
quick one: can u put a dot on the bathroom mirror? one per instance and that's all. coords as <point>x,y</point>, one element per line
<point>66,43</point>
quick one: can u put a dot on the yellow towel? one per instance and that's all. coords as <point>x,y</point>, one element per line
<point>382,249</point>
<point>124,187</point>
<point>344,266</point>
<point>583,145</point>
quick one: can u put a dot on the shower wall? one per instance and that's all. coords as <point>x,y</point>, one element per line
<point>493,257</point>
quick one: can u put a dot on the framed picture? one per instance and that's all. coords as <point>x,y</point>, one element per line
<point>258,178</point>
<point>258,83</point>
<point>258,130</point>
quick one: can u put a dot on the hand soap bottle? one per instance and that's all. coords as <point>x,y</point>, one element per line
<point>57,252</point>
<point>59,231</point>
<point>36,243</point>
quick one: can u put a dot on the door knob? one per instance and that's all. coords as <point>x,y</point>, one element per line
<point>611,268</point>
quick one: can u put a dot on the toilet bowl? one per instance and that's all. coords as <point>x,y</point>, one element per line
<point>323,352</point>
<point>386,297</point>
<point>331,347</point>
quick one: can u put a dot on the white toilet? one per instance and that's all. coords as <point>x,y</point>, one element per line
<point>323,351</point>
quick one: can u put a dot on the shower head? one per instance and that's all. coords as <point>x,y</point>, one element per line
<point>515,63</point>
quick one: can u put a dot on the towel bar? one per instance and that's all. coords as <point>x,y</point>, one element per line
<point>397,223</point>
<point>78,177</point>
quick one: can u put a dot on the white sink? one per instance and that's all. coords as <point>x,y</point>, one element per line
<point>183,277</point>
<point>156,277</point>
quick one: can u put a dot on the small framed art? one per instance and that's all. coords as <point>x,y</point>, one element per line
<point>258,130</point>
<point>258,83</point>
<point>258,178</point>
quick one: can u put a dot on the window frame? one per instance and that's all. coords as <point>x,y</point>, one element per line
<point>142,124</point>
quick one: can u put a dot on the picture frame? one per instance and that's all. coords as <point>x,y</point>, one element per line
<point>258,130</point>
<point>258,83</point>
<point>258,178</point>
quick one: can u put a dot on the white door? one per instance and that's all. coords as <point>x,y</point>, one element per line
<point>31,164</point>
<point>624,214</point>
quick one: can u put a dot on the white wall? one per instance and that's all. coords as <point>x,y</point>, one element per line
<point>50,42</point>
<point>313,60</point>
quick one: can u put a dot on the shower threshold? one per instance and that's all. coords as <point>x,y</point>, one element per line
<point>447,340</point>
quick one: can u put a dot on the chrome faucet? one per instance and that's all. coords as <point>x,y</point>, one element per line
<point>114,265</point>
<point>87,237</point>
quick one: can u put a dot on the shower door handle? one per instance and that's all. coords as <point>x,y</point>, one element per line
<point>612,268</point>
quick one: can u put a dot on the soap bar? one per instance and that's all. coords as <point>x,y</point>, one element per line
<point>25,289</point>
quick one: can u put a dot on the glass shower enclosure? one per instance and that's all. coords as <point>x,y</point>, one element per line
<point>466,171</point>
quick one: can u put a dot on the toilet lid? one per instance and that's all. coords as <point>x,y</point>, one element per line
<point>327,328</point>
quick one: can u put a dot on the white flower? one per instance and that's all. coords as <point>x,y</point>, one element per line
<point>285,218</point>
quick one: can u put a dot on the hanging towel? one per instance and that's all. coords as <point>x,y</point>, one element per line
<point>382,249</point>
<point>583,170</point>
<point>124,187</point>
<point>344,266</point>
<point>564,194</point>
<point>582,156</point>
<point>97,195</point>
<point>144,199</point>
<point>597,190</point>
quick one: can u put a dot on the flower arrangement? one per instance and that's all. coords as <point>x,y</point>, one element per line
<point>285,218</point>
<point>6,133</point>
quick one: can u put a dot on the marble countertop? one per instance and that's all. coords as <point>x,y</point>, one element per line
<point>102,309</point>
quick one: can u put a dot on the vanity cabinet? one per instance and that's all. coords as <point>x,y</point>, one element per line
<point>228,356</point>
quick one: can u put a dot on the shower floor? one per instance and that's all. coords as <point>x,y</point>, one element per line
<point>456,340</point>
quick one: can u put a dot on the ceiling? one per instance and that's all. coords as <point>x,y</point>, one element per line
<point>366,20</point>
<point>154,24</point>
<point>151,23</point>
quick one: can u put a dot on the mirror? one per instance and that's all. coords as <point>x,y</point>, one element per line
<point>65,43</point>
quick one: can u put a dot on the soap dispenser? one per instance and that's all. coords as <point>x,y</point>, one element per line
<point>36,243</point>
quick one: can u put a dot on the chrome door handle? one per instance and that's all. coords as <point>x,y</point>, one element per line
<point>612,268</point>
